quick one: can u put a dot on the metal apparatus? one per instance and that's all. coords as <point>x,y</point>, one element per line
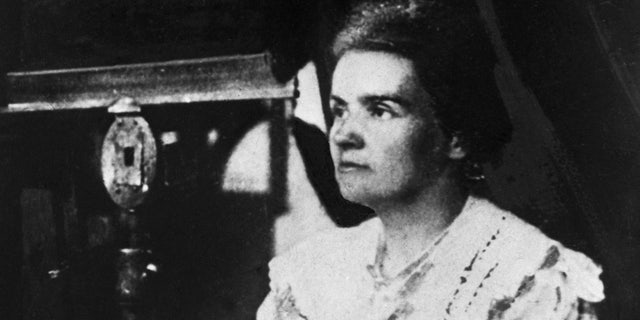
<point>128,163</point>
<point>129,155</point>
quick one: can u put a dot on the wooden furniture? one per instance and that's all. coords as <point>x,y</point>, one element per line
<point>111,215</point>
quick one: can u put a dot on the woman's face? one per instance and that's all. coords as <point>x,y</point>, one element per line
<point>385,144</point>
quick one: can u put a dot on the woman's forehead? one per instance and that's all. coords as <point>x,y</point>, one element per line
<point>373,72</point>
<point>366,75</point>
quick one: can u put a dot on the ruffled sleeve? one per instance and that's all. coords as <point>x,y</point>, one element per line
<point>565,287</point>
<point>280,303</point>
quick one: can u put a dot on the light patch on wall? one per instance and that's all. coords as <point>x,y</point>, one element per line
<point>309,105</point>
<point>248,168</point>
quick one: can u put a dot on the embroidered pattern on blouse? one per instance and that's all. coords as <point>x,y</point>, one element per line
<point>397,289</point>
<point>579,310</point>
<point>467,271</point>
<point>286,306</point>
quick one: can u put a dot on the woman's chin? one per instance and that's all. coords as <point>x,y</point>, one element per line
<point>354,194</point>
<point>363,196</point>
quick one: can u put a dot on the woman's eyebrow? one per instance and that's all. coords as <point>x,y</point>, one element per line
<point>403,102</point>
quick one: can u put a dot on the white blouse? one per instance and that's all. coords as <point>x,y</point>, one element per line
<point>488,264</point>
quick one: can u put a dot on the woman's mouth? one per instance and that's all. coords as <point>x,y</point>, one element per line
<point>348,166</point>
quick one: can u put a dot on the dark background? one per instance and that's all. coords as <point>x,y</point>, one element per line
<point>573,168</point>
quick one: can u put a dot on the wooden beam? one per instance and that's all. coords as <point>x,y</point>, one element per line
<point>244,77</point>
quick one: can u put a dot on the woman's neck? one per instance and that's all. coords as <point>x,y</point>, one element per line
<point>411,227</point>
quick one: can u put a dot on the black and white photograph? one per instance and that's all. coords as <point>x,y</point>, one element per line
<point>320,160</point>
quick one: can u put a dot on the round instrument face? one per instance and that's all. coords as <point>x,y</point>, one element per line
<point>128,160</point>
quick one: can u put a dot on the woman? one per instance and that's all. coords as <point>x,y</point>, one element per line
<point>416,111</point>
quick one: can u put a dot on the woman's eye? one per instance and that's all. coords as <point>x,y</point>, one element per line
<point>338,111</point>
<point>381,112</point>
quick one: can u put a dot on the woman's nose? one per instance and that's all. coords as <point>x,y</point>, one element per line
<point>347,133</point>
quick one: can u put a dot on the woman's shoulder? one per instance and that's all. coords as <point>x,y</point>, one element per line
<point>512,270</point>
<point>506,228</point>
<point>309,276</point>
<point>342,245</point>
<point>527,258</point>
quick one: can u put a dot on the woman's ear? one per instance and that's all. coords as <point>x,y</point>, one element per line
<point>457,148</point>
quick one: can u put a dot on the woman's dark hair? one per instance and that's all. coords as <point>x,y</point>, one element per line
<point>454,58</point>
